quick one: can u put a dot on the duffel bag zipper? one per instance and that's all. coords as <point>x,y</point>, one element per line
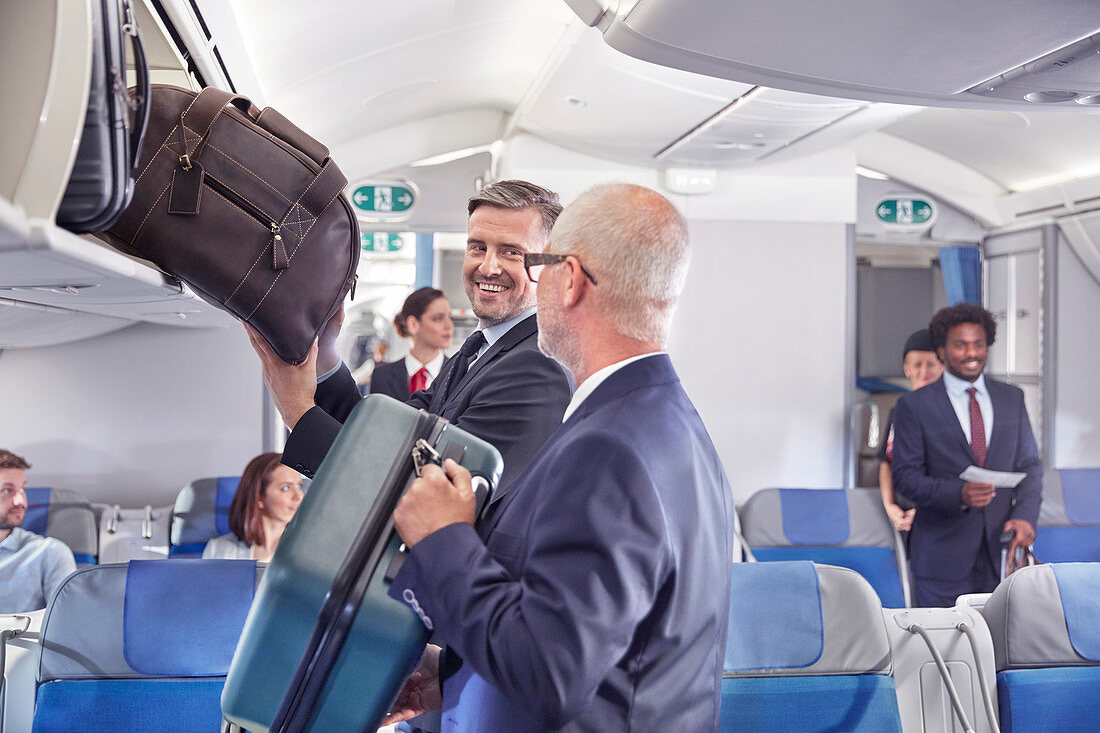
<point>279,258</point>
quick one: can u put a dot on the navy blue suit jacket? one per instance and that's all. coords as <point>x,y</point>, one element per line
<point>596,596</point>
<point>391,378</point>
<point>513,397</point>
<point>931,450</point>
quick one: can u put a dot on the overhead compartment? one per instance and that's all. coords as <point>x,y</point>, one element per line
<point>974,53</point>
<point>24,325</point>
<point>54,285</point>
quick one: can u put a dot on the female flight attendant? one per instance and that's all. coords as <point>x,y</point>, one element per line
<point>267,498</point>
<point>922,367</point>
<point>426,320</point>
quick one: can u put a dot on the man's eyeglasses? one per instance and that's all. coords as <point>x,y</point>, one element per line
<point>534,262</point>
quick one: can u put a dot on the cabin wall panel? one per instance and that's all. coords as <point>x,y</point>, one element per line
<point>1077,415</point>
<point>132,416</point>
<point>759,341</point>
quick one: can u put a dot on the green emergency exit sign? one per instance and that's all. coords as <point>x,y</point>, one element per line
<point>383,198</point>
<point>381,242</point>
<point>904,211</point>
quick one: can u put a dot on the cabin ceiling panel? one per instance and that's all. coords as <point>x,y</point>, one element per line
<point>376,65</point>
<point>373,152</point>
<point>621,106</point>
<point>756,125</point>
<point>1019,151</point>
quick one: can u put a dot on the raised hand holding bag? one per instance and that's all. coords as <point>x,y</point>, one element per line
<point>246,209</point>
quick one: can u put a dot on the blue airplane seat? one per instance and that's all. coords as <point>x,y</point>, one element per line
<point>1046,643</point>
<point>830,526</point>
<point>200,514</point>
<point>143,646</point>
<point>807,650</point>
<point>67,516</point>
<point>1069,520</point>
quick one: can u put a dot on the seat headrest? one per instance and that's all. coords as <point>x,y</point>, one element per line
<point>201,511</point>
<point>1045,616</point>
<point>66,516</point>
<point>1081,494</point>
<point>779,612</point>
<point>816,517</point>
<point>105,623</point>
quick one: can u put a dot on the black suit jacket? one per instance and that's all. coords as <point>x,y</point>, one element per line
<point>931,450</point>
<point>391,378</point>
<point>513,397</point>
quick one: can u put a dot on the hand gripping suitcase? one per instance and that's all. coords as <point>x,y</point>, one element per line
<point>100,184</point>
<point>324,648</point>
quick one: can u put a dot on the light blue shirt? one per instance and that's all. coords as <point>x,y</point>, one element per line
<point>494,333</point>
<point>960,400</point>
<point>32,568</point>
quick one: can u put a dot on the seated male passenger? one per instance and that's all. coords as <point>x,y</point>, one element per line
<point>267,498</point>
<point>31,566</point>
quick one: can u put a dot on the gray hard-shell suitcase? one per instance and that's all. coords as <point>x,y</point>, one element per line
<point>324,647</point>
<point>100,184</point>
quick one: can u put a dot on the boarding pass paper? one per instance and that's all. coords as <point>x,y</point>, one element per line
<point>1000,479</point>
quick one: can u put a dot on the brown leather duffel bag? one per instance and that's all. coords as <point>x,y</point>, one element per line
<point>246,209</point>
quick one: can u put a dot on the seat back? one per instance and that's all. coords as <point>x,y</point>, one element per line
<point>1046,643</point>
<point>806,650</point>
<point>831,526</point>
<point>67,516</point>
<point>1069,521</point>
<point>200,514</point>
<point>143,646</point>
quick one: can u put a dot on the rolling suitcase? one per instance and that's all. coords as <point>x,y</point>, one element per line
<point>324,647</point>
<point>100,185</point>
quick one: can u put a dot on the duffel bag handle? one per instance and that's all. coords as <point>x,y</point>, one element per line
<point>210,103</point>
<point>288,132</point>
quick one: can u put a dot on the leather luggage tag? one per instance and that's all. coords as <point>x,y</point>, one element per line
<point>186,190</point>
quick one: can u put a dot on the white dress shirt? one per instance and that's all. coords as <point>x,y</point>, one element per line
<point>960,400</point>
<point>412,366</point>
<point>227,547</point>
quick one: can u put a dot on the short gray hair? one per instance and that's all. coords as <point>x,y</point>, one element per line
<point>516,195</point>
<point>635,243</point>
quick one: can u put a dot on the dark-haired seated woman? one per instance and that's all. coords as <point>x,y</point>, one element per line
<point>265,502</point>
<point>425,318</point>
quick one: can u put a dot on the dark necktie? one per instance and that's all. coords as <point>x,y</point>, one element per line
<point>459,365</point>
<point>977,428</point>
<point>419,380</point>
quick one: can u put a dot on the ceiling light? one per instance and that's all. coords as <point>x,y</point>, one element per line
<point>451,156</point>
<point>1051,96</point>
<point>737,145</point>
<point>871,173</point>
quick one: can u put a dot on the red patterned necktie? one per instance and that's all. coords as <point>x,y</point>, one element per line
<point>977,428</point>
<point>419,380</point>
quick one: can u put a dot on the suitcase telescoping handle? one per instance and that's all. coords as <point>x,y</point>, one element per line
<point>211,102</point>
